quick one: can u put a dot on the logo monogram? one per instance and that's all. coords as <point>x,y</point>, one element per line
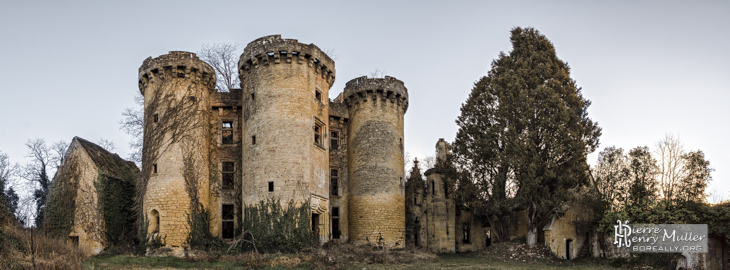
<point>621,234</point>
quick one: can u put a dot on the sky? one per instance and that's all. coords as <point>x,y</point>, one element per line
<point>650,68</point>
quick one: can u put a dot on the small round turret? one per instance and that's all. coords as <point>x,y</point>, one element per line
<point>375,158</point>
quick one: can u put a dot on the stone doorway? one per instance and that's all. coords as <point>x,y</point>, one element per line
<point>315,227</point>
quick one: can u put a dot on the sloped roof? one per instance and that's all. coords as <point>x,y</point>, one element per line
<point>109,163</point>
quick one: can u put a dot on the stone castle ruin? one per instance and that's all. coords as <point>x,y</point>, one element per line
<point>278,137</point>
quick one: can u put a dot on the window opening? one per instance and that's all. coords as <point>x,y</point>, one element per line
<point>318,132</point>
<point>155,118</point>
<point>227,217</point>
<point>74,240</point>
<point>227,132</point>
<point>253,139</point>
<point>253,97</point>
<point>336,223</point>
<point>334,182</point>
<point>271,186</point>
<point>154,168</point>
<point>334,139</point>
<point>466,232</point>
<point>318,95</point>
<point>227,173</point>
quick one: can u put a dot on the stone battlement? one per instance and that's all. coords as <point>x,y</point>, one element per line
<point>359,89</point>
<point>275,50</point>
<point>176,63</point>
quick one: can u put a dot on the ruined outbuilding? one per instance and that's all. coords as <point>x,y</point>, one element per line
<point>92,187</point>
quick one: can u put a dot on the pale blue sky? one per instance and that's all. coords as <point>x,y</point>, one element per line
<point>650,68</point>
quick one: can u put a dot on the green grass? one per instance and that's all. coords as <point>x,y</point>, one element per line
<point>127,262</point>
<point>444,261</point>
<point>473,261</point>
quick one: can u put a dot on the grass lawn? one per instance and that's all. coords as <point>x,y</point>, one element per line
<point>473,261</point>
<point>444,261</point>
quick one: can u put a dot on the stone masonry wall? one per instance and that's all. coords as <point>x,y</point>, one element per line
<point>375,160</point>
<point>89,224</point>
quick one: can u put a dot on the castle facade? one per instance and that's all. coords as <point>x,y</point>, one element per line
<point>278,137</point>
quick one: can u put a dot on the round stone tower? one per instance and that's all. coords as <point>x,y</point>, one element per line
<point>375,159</point>
<point>175,172</point>
<point>285,123</point>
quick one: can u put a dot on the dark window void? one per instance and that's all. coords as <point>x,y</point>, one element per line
<point>336,227</point>
<point>154,168</point>
<point>253,96</point>
<point>271,186</point>
<point>227,224</point>
<point>335,212</point>
<point>227,174</point>
<point>467,231</point>
<point>318,95</point>
<point>227,133</point>
<point>334,140</point>
<point>253,140</point>
<point>334,182</point>
<point>155,118</point>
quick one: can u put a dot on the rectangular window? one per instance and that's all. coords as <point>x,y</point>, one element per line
<point>318,95</point>
<point>336,223</point>
<point>227,216</point>
<point>154,168</point>
<point>253,140</point>
<point>334,182</point>
<point>466,234</point>
<point>227,174</point>
<point>271,186</point>
<point>155,118</point>
<point>227,133</point>
<point>319,133</point>
<point>334,140</point>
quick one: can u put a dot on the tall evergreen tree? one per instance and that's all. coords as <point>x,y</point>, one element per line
<point>524,132</point>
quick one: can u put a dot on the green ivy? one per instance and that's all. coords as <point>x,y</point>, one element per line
<point>277,229</point>
<point>116,200</point>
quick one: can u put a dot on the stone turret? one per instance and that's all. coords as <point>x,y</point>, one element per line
<point>175,172</point>
<point>285,120</point>
<point>375,158</point>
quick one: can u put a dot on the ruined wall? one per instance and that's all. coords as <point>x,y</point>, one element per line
<point>375,160</point>
<point>176,89</point>
<point>562,230</point>
<point>88,223</point>
<point>441,213</point>
<point>477,232</point>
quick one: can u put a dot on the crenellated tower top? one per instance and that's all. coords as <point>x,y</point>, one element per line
<point>176,64</point>
<point>386,88</point>
<point>275,50</point>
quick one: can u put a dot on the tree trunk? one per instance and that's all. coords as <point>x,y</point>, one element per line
<point>531,237</point>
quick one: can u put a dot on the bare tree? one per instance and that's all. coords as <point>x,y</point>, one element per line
<point>132,123</point>
<point>108,145</point>
<point>44,161</point>
<point>224,59</point>
<point>669,155</point>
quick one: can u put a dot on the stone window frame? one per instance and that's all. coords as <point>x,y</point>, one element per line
<point>318,95</point>
<point>320,131</point>
<point>228,220</point>
<point>227,139</point>
<point>334,178</point>
<point>228,173</point>
<point>335,220</point>
<point>334,139</point>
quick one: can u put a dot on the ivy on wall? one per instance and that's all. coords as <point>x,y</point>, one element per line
<point>277,229</point>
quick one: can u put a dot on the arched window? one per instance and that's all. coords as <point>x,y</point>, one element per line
<point>154,222</point>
